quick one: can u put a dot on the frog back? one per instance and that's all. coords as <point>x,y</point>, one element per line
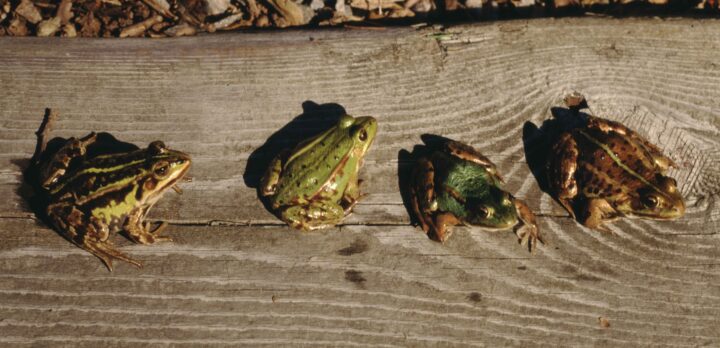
<point>322,165</point>
<point>610,164</point>
<point>468,180</point>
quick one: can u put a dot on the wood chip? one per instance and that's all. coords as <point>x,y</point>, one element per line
<point>18,27</point>
<point>289,10</point>
<point>161,6</point>
<point>140,28</point>
<point>48,27</point>
<point>27,10</point>
<point>64,11</point>
<point>216,7</point>
<point>68,30</point>
<point>180,30</point>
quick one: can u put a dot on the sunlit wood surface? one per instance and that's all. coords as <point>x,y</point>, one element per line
<point>235,275</point>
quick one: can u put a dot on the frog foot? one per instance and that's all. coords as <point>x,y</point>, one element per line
<point>527,231</point>
<point>599,211</point>
<point>443,226</point>
<point>141,233</point>
<point>105,251</point>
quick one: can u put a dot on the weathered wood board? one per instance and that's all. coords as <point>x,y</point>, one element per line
<point>236,276</point>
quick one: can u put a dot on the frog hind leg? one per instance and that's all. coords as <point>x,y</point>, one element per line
<point>469,153</point>
<point>61,159</point>
<point>140,232</point>
<point>561,172</point>
<point>422,194</point>
<point>662,161</point>
<point>88,234</point>
<point>313,216</point>
<point>599,211</point>
<point>527,231</point>
<point>268,182</point>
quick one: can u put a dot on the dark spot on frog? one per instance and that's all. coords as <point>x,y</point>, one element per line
<point>356,277</point>
<point>475,297</point>
<point>357,247</point>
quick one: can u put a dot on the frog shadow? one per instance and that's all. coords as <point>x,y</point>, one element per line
<point>538,141</point>
<point>30,190</point>
<point>406,164</point>
<point>315,119</point>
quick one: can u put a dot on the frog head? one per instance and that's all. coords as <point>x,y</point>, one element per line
<point>361,130</point>
<point>163,169</point>
<point>495,211</point>
<point>658,200</point>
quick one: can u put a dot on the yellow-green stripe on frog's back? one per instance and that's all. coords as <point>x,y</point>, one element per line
<point>100,174</point>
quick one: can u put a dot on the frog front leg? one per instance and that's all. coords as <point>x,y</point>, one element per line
<point>351,195</point>
<point>141,232</point>
<point>527,231</point>
<point>607,126</point>
<point>86,232</point>
<point>561,171</point>
<point>597,211</point>
<point>314,215</point>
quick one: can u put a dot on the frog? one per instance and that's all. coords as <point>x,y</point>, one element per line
<point>90,197</point>
<point>315,185</point>
<point>600,170</point>
<point>456,184</point>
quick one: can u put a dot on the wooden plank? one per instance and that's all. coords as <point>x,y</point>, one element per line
<point>233,100</point>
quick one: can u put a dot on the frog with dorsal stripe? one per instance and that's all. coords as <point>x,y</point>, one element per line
<point>90,197</point>
<point>602,170</point>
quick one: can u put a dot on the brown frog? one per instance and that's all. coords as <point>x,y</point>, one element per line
<point>601,170</point>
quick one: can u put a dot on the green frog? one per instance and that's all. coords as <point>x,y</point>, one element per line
<point>90,197</point>
<point>601,170</point>
<point>316,184</point>
<point>458,185</point>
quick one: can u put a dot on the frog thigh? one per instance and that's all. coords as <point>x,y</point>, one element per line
<point>469,153</point>
<point>606,126</point>
<point>313,216</point>
<point>598,211</point>
<point>268,182</point>
<point>60,161</point>
<point>89,234</point>
<point>140,233</point>
<point>561,171</point>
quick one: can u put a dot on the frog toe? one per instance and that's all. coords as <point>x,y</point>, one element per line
<point>106,253</point>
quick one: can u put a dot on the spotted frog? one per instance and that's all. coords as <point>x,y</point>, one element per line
<point>602,170</point>
<point>316,184</point>
<point>90,197</point>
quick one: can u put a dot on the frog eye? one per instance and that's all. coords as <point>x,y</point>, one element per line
<point>650,201</point>
<point>484,212</point>
<point>362,135</point>
<point>161,169</point>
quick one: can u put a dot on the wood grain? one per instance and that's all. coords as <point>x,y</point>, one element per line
<point>236,276</point>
